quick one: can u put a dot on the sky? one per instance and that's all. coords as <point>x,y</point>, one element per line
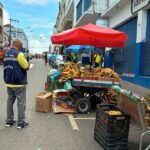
<point>36,17</point>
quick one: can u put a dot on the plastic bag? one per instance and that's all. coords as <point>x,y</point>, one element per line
<point>54,77</point>
<point>68,86</point>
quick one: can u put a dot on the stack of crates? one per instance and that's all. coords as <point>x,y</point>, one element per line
<point>111,131</point>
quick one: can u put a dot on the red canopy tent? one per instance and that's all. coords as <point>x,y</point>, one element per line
<point>93,35</point>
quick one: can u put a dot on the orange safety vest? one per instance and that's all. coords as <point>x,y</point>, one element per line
<point>1,54</point>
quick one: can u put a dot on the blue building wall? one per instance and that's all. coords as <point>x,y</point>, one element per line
<point>141,59</point>
<point>107,60</point>
<point>123,60</point>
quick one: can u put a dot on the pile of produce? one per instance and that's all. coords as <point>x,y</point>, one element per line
<point>99,73</point>
<point>71,70</point>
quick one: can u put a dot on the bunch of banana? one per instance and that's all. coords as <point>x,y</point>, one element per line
<point>98,69</point>
<point>70,71</point>
<point>106,72</point>
<point>115,75</point>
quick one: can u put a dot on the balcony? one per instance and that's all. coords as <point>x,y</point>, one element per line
<point>113,6</point>
<point>68,15</point>
<point>69,8</point>
<point>88,11</point>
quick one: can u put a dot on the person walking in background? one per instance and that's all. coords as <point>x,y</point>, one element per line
<point>52,59</point>
<point>45,57</point>
<point>1,57</point>
<point>15,77</point>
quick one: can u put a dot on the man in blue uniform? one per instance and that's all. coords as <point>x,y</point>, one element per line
<point>15,77</point>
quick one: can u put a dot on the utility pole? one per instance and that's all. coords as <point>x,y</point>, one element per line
<point>11,20</point>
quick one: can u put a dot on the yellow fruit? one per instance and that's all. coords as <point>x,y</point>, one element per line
<point>113,112</point>
<point>108,70</point>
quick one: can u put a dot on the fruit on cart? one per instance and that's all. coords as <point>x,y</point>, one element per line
<point>97,69</point>
<point>100,74</point>
<point>70,71</point>
<point>106,72</point>
<point>115,75</point>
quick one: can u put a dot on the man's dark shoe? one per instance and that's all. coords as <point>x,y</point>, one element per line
<point>22,125</point>
<point>10,123</point>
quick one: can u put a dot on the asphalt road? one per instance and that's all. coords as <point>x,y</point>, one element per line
<point>49,131</point>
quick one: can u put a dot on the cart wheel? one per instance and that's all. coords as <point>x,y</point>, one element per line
<point>83,106</point>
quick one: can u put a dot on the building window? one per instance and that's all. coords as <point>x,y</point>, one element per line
<point>19,34</point>
<point>79,10</point>
<point>87,4</point>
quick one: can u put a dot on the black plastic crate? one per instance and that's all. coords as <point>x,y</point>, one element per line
<point>111,131</point>
<point>108,145</point>
<point>118,122</point>
<point>113,134</point>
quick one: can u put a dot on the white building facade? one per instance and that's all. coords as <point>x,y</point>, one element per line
<point>5,39</point>
<point>88,11</point>
<point>17,33</point>
<point>65,16</point>
<point>129,16</point>
<point>1,25</point>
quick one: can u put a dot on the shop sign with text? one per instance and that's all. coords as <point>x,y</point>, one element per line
<point>139,4</point>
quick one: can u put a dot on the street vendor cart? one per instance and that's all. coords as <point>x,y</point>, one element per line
<point>86,90</point>
<point>96,36</point>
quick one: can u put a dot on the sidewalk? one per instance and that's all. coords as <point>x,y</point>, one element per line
<point>135,88</point>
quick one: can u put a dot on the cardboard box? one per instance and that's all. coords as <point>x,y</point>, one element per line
<point>44,102</point>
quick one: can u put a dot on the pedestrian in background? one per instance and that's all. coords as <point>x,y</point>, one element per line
<point>52,59</point>
<point>98,59</point>
<point>45,57</point>
<point>1,57</point>
<point>15,77</point>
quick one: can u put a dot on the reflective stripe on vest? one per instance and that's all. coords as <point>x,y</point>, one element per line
<point>10,59</point>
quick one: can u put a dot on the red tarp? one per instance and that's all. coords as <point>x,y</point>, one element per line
<point>93,35</point>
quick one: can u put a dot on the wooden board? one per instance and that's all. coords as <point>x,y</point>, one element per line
<point>59,109</point>
<point>129,106</point>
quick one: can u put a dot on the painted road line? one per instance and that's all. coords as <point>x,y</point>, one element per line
<point>84,118</point>
<point>73,122</point>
